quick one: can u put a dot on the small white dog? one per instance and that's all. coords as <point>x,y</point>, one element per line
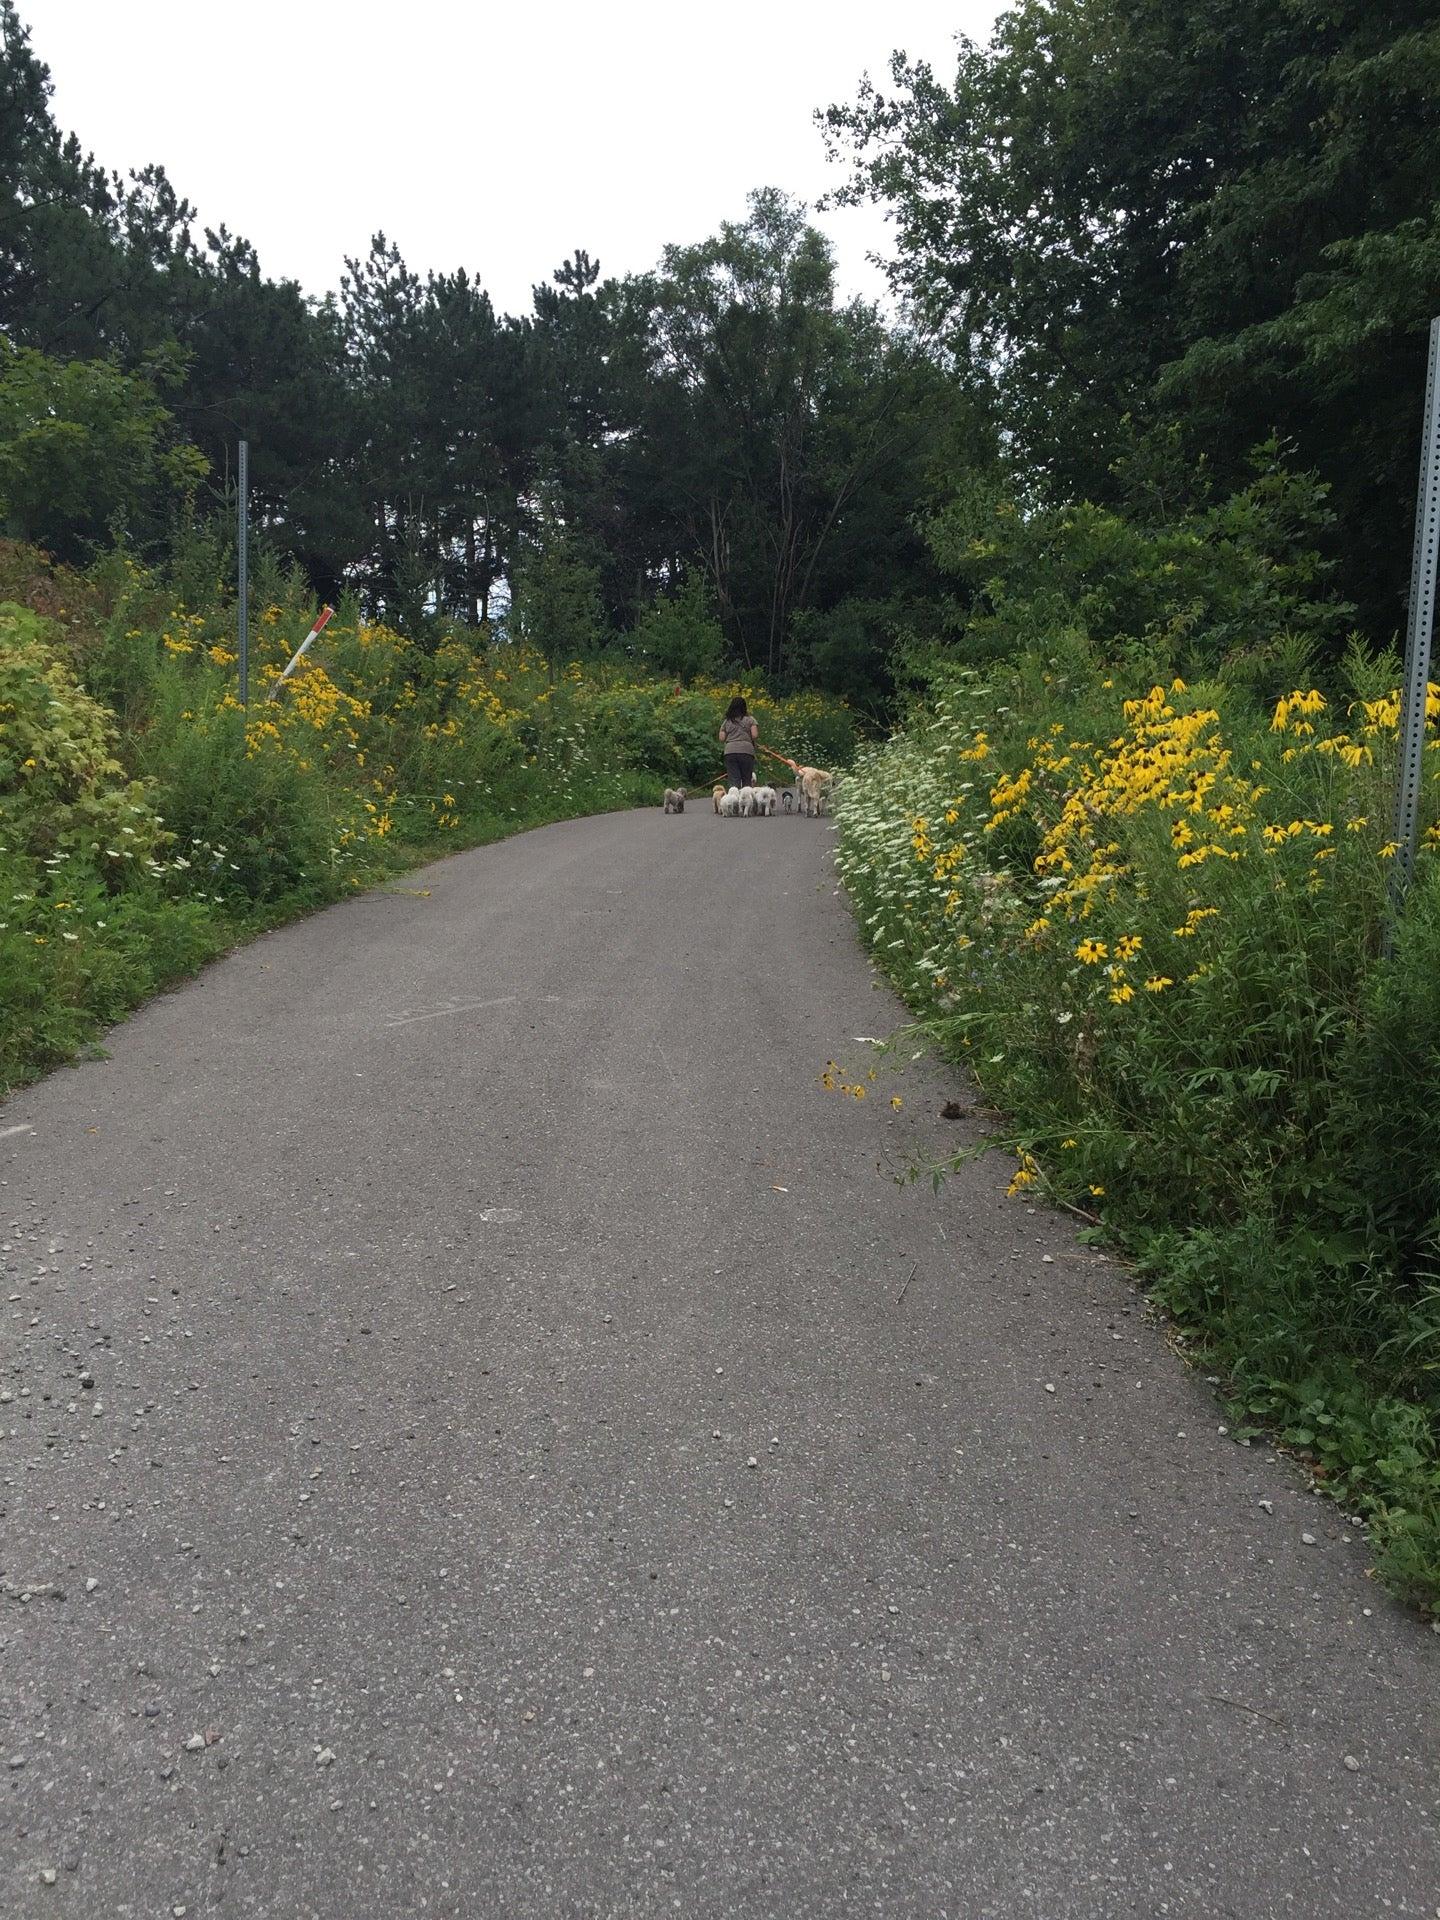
<point>747,802</point>
<point>765,798</point>
<point>674,799</point>
<point>729,804</point>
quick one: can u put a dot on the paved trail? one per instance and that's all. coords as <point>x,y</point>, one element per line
<point>511,1455</point>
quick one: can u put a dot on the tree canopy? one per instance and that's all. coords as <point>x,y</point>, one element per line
<point>1213,214</point>
<point>1133,242</point>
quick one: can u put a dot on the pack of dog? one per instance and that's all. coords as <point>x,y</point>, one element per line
<point>744,803</point>
<point>808,797</point>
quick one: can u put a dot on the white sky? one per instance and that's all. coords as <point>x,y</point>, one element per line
<point>495,137</point>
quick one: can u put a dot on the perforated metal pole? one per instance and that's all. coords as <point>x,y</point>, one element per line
<point>1423,581</point>
<point>242,583</point>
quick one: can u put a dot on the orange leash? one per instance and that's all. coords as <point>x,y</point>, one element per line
<point>794,765</point>
<point>783,758</point>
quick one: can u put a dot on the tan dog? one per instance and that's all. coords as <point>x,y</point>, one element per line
<point>812,784</point>
<point>717,794</point>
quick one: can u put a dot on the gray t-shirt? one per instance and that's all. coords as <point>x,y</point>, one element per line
<point>738,736</point>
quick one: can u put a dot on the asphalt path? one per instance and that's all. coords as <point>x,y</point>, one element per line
<point>544,1459</point>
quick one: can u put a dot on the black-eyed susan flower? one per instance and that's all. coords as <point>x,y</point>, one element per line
<point>1025,1175</point>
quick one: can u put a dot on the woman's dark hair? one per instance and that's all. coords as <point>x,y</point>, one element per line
<point>737,708</point>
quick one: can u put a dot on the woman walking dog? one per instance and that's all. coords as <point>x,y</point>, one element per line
<point>738,736</point>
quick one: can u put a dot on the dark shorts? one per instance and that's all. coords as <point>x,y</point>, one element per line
<point>740,769</point>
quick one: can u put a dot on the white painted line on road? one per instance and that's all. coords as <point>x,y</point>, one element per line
<point>10,1132</point>
<point>666,1058</point>
<point>436,1013</point>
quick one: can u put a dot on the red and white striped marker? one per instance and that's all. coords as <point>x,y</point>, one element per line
<point>326,615</point>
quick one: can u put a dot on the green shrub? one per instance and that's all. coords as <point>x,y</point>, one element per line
<point>1152,919</point>
<point>63,789</point>
<point>680,637</point>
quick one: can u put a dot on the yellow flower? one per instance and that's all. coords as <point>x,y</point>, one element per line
<point>1066,1144</point>
<point>1090,951</point>
<point>1127,946</point>
<point>1389,850</point>
<point>1099,1192</point>
<point>1158,982</point>
<point>1122,993</point>
<point>1024,1176</point>
<point>896,1102</point>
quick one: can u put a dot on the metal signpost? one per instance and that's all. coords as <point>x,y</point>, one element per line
<point>1423,581</point>
<point>242,534</point>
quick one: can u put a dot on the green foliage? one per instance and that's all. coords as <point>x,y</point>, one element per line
<point>263,827</point>
<point>74,955</point>
<point>795,433</point>
<point>142,836</point>
<point>680,635</point>
<point>84,450</point>
<point>1384,1126</point>
<point>1331,1356</point>
<point>63,791</point>
<point>847,648</point>
<point>1150,918</point>
<point>1182,589</point>
<point>1102,217</point>
<point>557,599</point>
